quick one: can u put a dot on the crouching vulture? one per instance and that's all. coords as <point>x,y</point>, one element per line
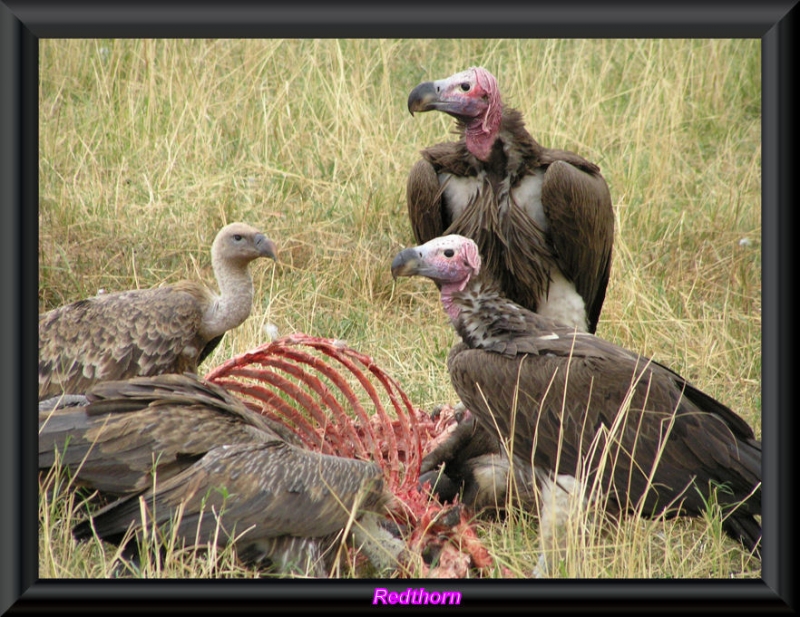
<point>542,218</point>
<point>186,453</point>
<point>124,435</point>
<point>146,332</point>
<point>591,418</point>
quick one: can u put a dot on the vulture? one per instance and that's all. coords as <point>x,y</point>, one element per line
<point>123,435</point>
<point>591,418</point>
<point>186,453</point>
<point>542,218</point>
<point>147,332</point>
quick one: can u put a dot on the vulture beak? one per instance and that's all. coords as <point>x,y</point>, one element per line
<point>266,247</point>
<point>440,96</point>
<point>406,263</point>
<point>423,98</point>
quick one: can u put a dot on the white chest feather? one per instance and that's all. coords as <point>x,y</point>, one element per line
<point>563,303</point>
<point>459,191</point>
<point>528,196</point>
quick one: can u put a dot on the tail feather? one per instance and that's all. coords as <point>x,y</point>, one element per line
<point>746,529</point>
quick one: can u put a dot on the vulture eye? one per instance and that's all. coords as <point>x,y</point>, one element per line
<point>465,87</point>
<point>449,252</point>
<point>237,237</point>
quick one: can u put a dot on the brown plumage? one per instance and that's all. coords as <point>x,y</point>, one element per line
<point>278,503</point>
<point>581,407</point>
<point>179,444</point>
<point>542,218</point>
<point>168,329</point>
<point>128,433</point>
<point>471,464</point>
<point>283,505</point>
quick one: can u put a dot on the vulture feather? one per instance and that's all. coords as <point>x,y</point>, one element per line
<point>188,449</point>
<point>280,505</point>
<point>542,218</point>
<point>128,433</point>
<point>146,332</point>
<point>470,463</point>
<point>584,412</point>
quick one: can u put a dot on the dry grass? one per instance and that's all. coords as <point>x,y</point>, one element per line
<point>148,147</point>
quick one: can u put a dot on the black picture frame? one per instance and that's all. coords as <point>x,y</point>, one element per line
<point>23,23</point>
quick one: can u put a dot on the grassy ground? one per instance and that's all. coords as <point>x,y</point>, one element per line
<point>148,147</point>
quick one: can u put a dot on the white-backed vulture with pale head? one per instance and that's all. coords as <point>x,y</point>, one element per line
<point>143,332</point>
<point>542,218</point>
<point>174,444</point>
<point>581,410</point>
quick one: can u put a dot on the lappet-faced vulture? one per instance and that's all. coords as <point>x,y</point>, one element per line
<point>585,412</point>
<point>542,218</point>
<point>191,455</point>
<point>145,332</point>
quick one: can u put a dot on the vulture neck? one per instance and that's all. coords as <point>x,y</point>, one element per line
<point>481,315</point>
<point>505,152</point>
<point>451,307</point>
<point>235,300</point>
<point>480,133</point>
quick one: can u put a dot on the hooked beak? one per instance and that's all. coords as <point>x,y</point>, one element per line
<point>266,247</point>
<point>424,97</point>
<point>406,263</point>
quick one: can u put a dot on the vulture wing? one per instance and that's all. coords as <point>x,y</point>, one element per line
<point>253,494</point>
<point>652,440</point>
<point>132,431</point>
<point>424,199</point>
<point>580,216</point>
<point>120,335</point>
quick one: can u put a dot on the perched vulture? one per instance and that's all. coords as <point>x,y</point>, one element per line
<point>145,332</point>
<point>126,434</point>
<point>542,218</point>
<point>228,473</point>
<point>585,412</point>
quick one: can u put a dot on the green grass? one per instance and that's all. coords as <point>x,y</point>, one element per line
<point>148,147</point>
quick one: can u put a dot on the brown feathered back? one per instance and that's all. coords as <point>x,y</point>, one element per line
<point>129,433</point>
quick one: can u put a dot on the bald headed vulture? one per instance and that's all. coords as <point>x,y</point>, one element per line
<point>542,218</point>
<point>584,412</point>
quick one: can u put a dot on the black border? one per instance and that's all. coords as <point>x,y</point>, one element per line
<point>22,23</point>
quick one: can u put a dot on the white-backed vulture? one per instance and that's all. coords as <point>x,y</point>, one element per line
<point>145,332</point>
<point>125,434</point>
<point>542,218</point>
<point>180,448</point>
<point>584,412</point>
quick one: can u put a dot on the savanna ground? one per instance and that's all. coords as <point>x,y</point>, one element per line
<point>148,147</point>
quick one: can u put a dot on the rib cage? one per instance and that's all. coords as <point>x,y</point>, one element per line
<point>339,402</point>
<point>337,408</point>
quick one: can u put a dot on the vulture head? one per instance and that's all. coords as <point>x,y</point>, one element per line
<point>450,261</point>
<point>239,243</point>
<point>471,97</point>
